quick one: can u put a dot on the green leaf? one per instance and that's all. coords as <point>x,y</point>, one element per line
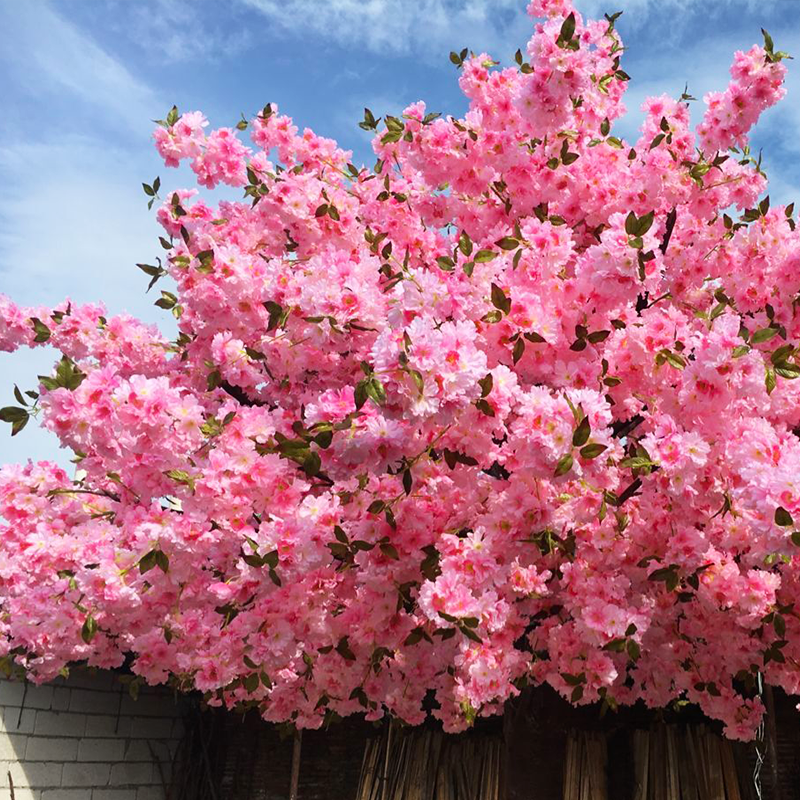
<point>788,371</point>
<point>312,464</point>
<point>783,517</point>
<point>574,680</point>
<point>782,354</point>
<point>343,649</point>
<point>499,299</point>
<point>645,223</point>
<point>17,417</point>
<point>147,562</point>
<point>413,638</point>
<point>567,28</point>
<point>507,243</point>
<point>89,629</point>
<point>564,465</point>
<point>40,329</point>
<point>637,462</point>
<point>369,123</point>
<point>361,393</point>
<point>582,433</point>
<point>483,405</point>
<point>769,379</point>
<point>419,381</point>
<point>673,359</point>
<point>251,682</point>
<point>375,391</point>
<point>593,450</point>
<point>482,256</point>
<point>471,635</point>
<point>465,244</point>
<point>12,414</point>
<point>390,551</point>
<point>763,335</point>
<point>519,350</point>
<point>167,300</point>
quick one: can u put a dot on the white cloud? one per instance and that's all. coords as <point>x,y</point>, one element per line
<point>73,222</point>
<point>73,217</point>
<point>48,55</point>
<point>172,31</point>
<point>640,10</point>
<point>412,26</point>
<point>429,26</point>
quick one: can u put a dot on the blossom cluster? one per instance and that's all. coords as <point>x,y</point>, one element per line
<point>515,406</point>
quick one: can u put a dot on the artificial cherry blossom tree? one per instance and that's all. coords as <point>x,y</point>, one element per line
<point>514,406</point>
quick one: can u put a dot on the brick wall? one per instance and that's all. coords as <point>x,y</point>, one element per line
<point>86,738</point>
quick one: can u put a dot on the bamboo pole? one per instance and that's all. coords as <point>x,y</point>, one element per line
<point>298,740</point>
<point>772,744</point>
<point>385,778</point>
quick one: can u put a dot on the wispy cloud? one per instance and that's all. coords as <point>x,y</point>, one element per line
<point>639,12</point>
<point>174,31</point>
<point>413,26</point>
<point>74,228</point>
<point>50,56</point>
<point>73,150</point>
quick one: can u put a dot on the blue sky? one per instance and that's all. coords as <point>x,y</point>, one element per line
<point>81,81</point>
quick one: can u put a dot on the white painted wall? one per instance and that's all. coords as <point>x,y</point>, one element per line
<point>86,738</point>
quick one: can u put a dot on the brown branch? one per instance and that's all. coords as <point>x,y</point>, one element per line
<point>671,218</point>
<point>237,393</point>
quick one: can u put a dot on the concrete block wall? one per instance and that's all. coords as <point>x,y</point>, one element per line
<point>86,738</point>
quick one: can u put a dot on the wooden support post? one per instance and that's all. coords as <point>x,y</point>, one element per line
<point>298,740</point>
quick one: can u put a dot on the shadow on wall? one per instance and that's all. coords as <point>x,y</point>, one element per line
<point>86,738</point>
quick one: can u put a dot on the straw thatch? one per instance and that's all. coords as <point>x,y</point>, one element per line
<point>417,764</point>
<point>585,764</point>
<point>690,763</point>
